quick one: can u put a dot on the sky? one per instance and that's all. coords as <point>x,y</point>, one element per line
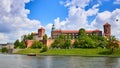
<point>20,17</point>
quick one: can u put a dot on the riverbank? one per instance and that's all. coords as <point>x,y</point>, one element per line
<point>70,52</point>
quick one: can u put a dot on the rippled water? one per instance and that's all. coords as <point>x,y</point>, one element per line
<point>23,61</point>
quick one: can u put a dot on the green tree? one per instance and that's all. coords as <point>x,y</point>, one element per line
<point>81,33</point>
<point>76,44</point>
<point>67,44</point>
<point>84,41</point>
<point>16,44</point>
<point>44,48</point>
<point>30,36</point>
<point>36,45</point>
<point>55,44</point>
<point>4,50</point>
<point>25,38</point>
<point>45,37</point>
<point>22,44</point>
<point>61,42</point>
<point>61,36</point>
<point>112,43</point>
<point>100,41</point>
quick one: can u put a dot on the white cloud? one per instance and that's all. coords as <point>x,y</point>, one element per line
<point>100,19</point>
<point>77,15</point>
<point>14,21</point>
<point>3,38</point>
<point>116,2</point>
<point>93,11</point>
<point>78,3</point>
<point>48,28</point>
<point>111,17</point>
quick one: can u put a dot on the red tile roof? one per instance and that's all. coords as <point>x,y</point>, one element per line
<point>96,30</point>
<point>106,24</point>
<point>89,31</point>
<point>75,31</point>
<point>57,31</point>
<point>69,31</point>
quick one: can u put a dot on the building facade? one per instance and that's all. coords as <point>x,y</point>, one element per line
<point>39,36</point>
<point>74,33</point>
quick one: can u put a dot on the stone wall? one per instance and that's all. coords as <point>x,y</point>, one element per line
<point>49,42</point>
<point>29,43</point>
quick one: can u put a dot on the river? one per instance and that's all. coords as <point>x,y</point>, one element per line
<point>23,61</point>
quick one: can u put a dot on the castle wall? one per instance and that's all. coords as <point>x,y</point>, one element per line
<point>29,43</point>
<point>49,42</point>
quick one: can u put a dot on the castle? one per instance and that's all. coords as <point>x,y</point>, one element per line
<point>74,33</point>
<point>67,33</point>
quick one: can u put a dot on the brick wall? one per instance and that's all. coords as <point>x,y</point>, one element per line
<point>29,43</point>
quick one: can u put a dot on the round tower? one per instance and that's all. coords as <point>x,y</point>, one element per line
<point>107,30</point>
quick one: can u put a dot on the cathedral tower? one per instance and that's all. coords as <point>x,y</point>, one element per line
<point>53,27</point>
<point>107,30</point>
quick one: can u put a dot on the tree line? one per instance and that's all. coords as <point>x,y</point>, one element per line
<point>36,44</point>
<point>85,40</point>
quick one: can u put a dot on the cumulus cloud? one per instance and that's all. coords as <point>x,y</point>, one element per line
<point>78,16</point>
<point>14,21</point>
<point>116,2</point>
<point>78,3</point>
<point>111,17</point>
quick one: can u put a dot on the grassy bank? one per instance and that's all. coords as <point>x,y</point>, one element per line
<point>27,51</point>
<point>78,52</point>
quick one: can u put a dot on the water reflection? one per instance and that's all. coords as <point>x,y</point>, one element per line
<point>23,61</point>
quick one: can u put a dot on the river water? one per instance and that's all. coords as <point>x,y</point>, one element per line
<point>23,61</point>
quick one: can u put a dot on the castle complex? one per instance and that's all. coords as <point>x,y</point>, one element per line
<point>67,33</point>
<point>74,33</point>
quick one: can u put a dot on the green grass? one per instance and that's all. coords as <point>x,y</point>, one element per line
<point>28,51</point>
<point>77,52</point>
<point>81,52</point>
<point>0,50</point>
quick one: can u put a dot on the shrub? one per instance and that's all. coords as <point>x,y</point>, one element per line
<point>4,50</point>
<point>36,45</point>
<point>44,49</point>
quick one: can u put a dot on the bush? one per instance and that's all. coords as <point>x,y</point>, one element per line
<point>36,45</point>
<point>44,49</point>
<point>4,50</point>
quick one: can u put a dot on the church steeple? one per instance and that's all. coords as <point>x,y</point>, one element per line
<point>53,27</point>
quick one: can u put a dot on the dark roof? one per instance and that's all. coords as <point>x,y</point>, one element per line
<point>106,24</point>
<point>41,28</point>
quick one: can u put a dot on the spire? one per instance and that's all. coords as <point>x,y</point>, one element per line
<point>53,27</point>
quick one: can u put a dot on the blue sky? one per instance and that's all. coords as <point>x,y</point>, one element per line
<point>47,10</point>
<point>20,17</point>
